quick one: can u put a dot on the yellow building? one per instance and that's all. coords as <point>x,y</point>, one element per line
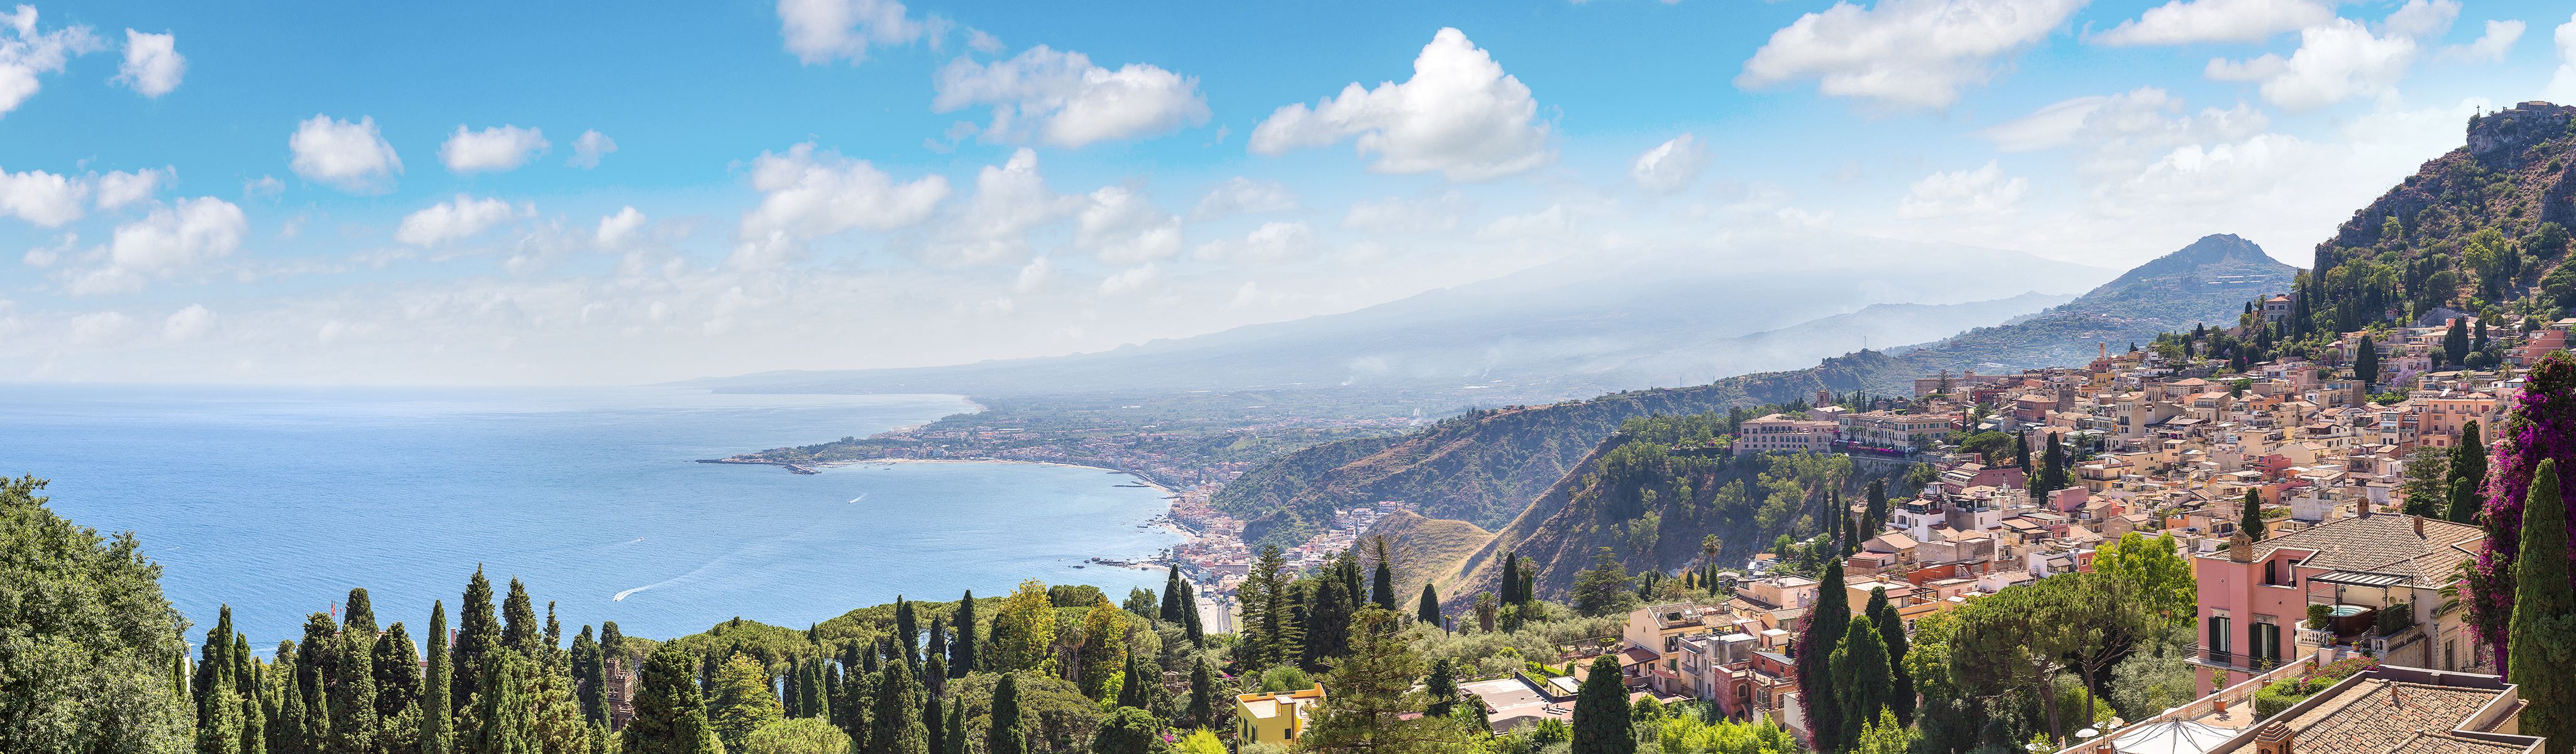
<point>1275,718</point>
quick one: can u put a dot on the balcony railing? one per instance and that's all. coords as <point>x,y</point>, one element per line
<point>2234,660</point>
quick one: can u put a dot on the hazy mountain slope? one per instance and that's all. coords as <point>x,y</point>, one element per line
<point>1487,467</point>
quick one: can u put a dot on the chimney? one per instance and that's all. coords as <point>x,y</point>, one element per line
<point>2363,507</point>
<point>2240,548</point>
<point>2419,524</point>
<point>2274,738</point>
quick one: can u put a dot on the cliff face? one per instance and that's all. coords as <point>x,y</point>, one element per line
<point>2512,175</point>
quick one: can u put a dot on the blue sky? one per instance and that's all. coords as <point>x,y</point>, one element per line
<point>317,193</point>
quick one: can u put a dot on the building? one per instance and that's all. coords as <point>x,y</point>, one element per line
<point>2387,709</point>
<point>1277,717</point>
<point>1780,433</point>
<point>1654,639</point>
<point>2255,597</point>
<point>1880,429</point>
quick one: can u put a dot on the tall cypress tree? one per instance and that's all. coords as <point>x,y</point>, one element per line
<point>2544,617</point>
<point>2251,517</point>
<point>1825,625</point>
<point>2468,471</point>
<point>1009,731</point>
<point>1172,591</point>
<point>1328,629</point>
<point>219,719</point>
<point>1382,590</point>
<point>961,653</point>
<point>938,643</point>
<point>286,730</point>
<point>1891,632</point>
<point>2365,362</point>
<point>519,621</point>
<point>590,676</point>
<point>1427,608</point>
<point>907,632</point>
<point>1862,678</point>
<point>397,668</point>
<point>436,737</point>
<point>956,736</point>
<point>1601,712</point>
<point>670,710</point>
<point>934,731</point>
<point>896,716</point>
<point>1442,686</point>
<point>1202,709</point>
<point>503,707</point>
<point>316,659</point>
<point>477,635</point>
<point>353,682</point>
<point>1511,586</point>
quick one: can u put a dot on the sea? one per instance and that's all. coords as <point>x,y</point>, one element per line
<point>276,501</point>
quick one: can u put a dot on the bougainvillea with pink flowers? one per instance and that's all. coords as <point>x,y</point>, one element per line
<point>2541,426</point>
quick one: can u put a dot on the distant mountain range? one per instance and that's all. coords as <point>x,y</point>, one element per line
<point>1574,328</point>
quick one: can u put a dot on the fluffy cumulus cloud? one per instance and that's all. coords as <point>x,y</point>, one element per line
<point>1063,99</point>
<point>1240,195</point>
<point>1670,166</point>
<point>152,64</point>
<point>351,156</point>
<point>806,194</point>
<point>819,31</point>
<point>2421,19</point>
<point>1123,227</point>
<point>2562,84</point>
<point>99,328</point>
<point>2119,131</point>
<point>120,188</point>
<point>1011,200</point>
<point>2335,62</point>
<point>187,324</point>
<point>27,52</point>
<point>46,199</point>
<point>1130,280</point>
<point>589,147</point>
<point>614,230</point>
<point>1905,53</point>
<point>492,150</point>
<point>457,219</point>
<point>1983,191</point>
<point>2489,47</point>
<point>2194,21</point>
<point>1459,115</point>
<point>165,242</point>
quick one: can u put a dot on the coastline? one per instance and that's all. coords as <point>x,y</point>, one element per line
<point>1163,520</point>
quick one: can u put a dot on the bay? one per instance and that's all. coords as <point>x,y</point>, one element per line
<point>277,500</point>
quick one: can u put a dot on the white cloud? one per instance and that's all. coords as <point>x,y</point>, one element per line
<point>351,156</point>
<point>1240,195</point>
<point>43,198</point>
<point>615,229</point>
<point>1070,101</point>
<point>263,187</point>
<point>1460,115</point>
<point>1271,242</point>
<point>25,53</point>
<point>500,149</point>
<point>1032,275</point>
<point>1555,220</point>
<point>119,188</point>
<point>1121,227</point>
<point>1132,279</point>
<point>99,327</point>
<point>463,217</point>
<point>2562,85</point>
<point>168,240</point>
<point>983,42</point>
<point>2122,128</point>
<point>2334,62</point>
<point>589,147</point>
<point>808,195</point>
<point>42,257</point>
<point>2194,21</point>
<point>818,31</point>
<point>2489,47</point>
<point>153,64</point>
<point>2421,19</point>
<point>1983,191</point>
<point>1670,166</point>
<point>1907,53</point>
<point>188,324</point>
<point>1011,200</point>
<point>1399,215</point>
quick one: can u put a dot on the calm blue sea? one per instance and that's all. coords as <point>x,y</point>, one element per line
<point>278,500</point>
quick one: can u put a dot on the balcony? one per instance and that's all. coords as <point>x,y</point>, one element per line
<point>2236,661</point>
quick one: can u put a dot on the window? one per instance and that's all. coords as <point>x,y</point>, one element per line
<point>2218,635</point>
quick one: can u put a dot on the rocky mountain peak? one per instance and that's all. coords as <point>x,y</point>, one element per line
<point>2505,133</point>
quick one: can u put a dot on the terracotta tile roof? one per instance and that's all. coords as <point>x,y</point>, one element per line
<point>2379,716</point>
<point>2383,543</point>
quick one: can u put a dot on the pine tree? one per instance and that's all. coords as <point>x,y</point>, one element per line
<point>552,651</point>
<point>2468,470</point>
<point>1601,712</point>
<point>1427,607</point>
<point>435,734</point>
<point>2250,518</point>
<point>1825,625</point>
<point>1008,733</point>
<point>1374,707</point>
<point>961,653</point>
<point>670,714</point>
<point>353,681</point>
<point>1862,678</point>
<point>743,701</point>
<point>477,635</point>
<point>1172,591</point>
<point>519,622</point>
<point>1891,633</point>
<point>2544,618</point>
<point>1442,687</point>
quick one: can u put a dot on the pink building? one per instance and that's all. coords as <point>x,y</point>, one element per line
<point>2254,596</point>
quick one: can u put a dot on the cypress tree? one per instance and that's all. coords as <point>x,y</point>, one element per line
<point>1862,677</point>
<point>1891,632</point>
<point>435,734</point>
<point>1172,592</point>
<point>477,635</point>
<point>519,622</point>
<point>1190,617</point>
<point>907,632</point>
<point>397,668</point>
<point>934,730</point>
<point>1601,712</point>
<point>791,690</point>
<point>1877,507</point>
<point>590,676</point>
<point>1442,686</point>
<point>2455,343</point>
<point>286,727</point>
<point>1427,608</point>
<point>219,720</point>
<point>1382,591</point>
<point>2543,630</point>
<point>1202,709</point>
<point>961,653</point>
<point>2468,471</point>
<point>353,682</point>
<point>552,651</point>
<point>254,734</point>
<point>934,677</point>
<point>1825,625</point>
<point>833,696</point>
<point>2365,362</point>
<point>896,715</point>
<point>938,645</point>
<point>956,736</point>
<point>315,661</point>
<point>670,711</point>
<point>1511,586</point>
<point>503,707</point>
<point>2251,518</point>
<point>1008,732</point>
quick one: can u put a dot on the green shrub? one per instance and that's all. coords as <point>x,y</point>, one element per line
<point>2319,615</point>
